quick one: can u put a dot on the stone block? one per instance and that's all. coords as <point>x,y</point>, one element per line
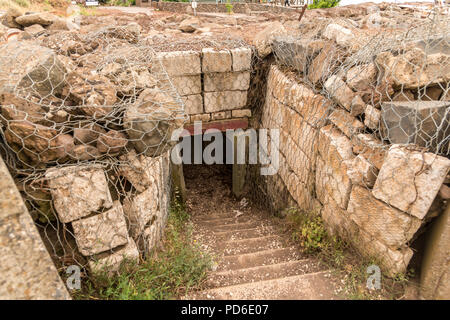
<point>425,123</point>
<point>324,64</point>
<point>216,60</point>
<point>387,224</point>
<point>339,92</point>
<point>242,58</point>
<point>221,115</point>
<point>187,85</point>
<point>139,170</point>
<point>204,117</point>
<point>348,124</point>
<point>111,262</point>
<point>140,209</point>
<point>193,104</point>
<point>78,191</point>
<point>343,36</point>
<point>362,172</point>
<point>225,81</point>
<point>101,232</point>
<point>296,53</point>
<point>361,77</point>
<point>370,148</point>
<point>27,270</point>
<point>241,113</point>
<point>225,100</point>
<point>410,180</point>
<point>180,63</point>
<point>372,117</point>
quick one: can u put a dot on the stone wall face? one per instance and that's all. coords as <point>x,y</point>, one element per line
<point>26,270</point>
<point>212,83</point>
<point>106,228</point>
<point>376,196</point>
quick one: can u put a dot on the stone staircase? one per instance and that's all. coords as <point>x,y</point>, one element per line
<point>253,259</point>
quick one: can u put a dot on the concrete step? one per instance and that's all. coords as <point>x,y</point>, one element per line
<point>260,273</point>
<point>260,258</point>
<point>233,247</point>
<point>311,286</point>
<point>259,231</point>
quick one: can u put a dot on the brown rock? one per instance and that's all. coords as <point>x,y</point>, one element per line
<point>151,120</point>
<point>95,94</point>
<point>112,142</point>
<point>361,77</point>
<point>410,180</point>
<point>39,143</point>
<point>346,123</point>
<point>263,40</point>
<point>31,68</point>
<point>101,232</point>
<point>41,18</point>
<point>189,25</point>
<point>9,18</point>
<point>389,225</point>
<point>78,191</point>
<point>324,64</point>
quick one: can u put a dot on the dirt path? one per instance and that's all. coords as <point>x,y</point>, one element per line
<point>253,260</point>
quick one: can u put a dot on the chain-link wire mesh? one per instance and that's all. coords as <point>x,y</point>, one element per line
<point>86,128</point>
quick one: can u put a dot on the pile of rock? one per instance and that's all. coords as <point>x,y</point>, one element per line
<point>30,25</point>
<point>387,83</point>
<point>92,116</point>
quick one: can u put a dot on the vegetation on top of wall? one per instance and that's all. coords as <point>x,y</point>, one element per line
<point>321,4</point>
<point>175,269</point>
<point>121,3</point>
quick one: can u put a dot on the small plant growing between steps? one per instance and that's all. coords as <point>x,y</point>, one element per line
<point>175,269</point>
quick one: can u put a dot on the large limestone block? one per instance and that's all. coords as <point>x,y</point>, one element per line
<point>392,260</point>
<point>336,151</point>
<point>435,271</point>
<point>40,144</point>
<point>410,180</point>
<point>225,100</point>
<point>32,68</point>
<point>78,191</point>
<point>225,81</point>
<point>242,59</point>
<point>112,262</point>
<point>187,85</point>
<point>216,60</point>
<point>193,104</point>
<point>142,208</point>
<point>179,63</point>
<point>102,232</point>
<point>372,117</point>
<point>387,224</point>
<point>26,269</point>
<point>425,123</point>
